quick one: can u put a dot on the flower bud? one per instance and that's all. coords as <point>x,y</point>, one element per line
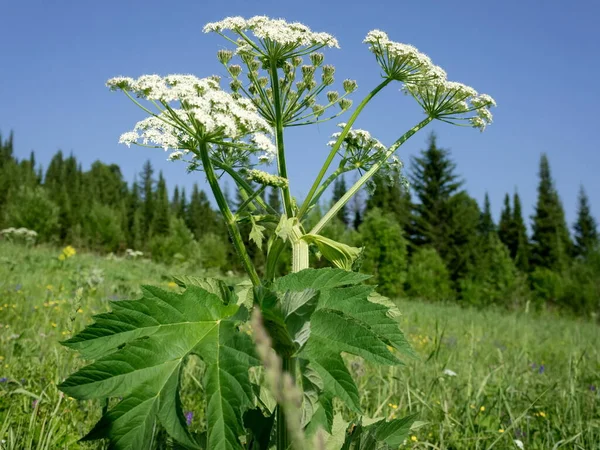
<point>266,179</point>
<point>296,61</point>
<point>332,96</point>
<point>345,103</point>
<point>317,58</point>
<point>328,70</point>
<point>224,56</point>
<point>253,65</point>
<point>263,81</point>
<point>235,70</point>
<point>215,78</point>
<point>252,89</point>
<point>318,110</point>
<point>269,93</point>
<point>247,58</point>
<point>235,85</point>
<point>288,68</point>
<point>327,79</point>
<point>308,71</point>
<point>310,84</point>
<point>300,85</point>
<point>253,75</point>
<point>350,86</point>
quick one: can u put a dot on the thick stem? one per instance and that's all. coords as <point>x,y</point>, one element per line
<point>366,176</point>
<point>338,144</point>
<point>281,166</point>
<point>299,255</point>
<point>230,222</point>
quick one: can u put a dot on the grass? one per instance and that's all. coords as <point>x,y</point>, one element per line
<point>528,377</point>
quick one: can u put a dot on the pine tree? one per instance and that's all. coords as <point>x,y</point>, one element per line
<point>486,222</point>
<point>585,228</point>
<point>161,218</point>
<point>274,199</point>
<point>551,244</point>
<point>520,252</point>
<point>339,189</point>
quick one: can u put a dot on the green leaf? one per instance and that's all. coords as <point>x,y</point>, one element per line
<point>212,285</point>
<point>320,279</point>
<point>141,348</point>
<point>381,434</point>
<point>312,386</point>
<point>256,233</point>
<point>339,254</point>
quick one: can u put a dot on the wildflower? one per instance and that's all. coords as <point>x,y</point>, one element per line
<point>592,388</point>
<point>189,416</point>
<point>54,325</point>
<point>50,287</point>
<point>501,430</point>
<point>3,380</point>
<point>414,438</point>
<point>449,373</point>
<point>402,62</point>
<point>519,444</point>
<point>482,408</point>
<point>172,284</point>
<point>278,31</point>
<point>67,253</point>
<point>541,369</point>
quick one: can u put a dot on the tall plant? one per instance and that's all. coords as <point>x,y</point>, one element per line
<point>303,321</point>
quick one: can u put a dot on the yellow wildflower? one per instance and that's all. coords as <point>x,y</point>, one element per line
<point>49,287</point>
<point>501,430</point>
<point>53,325</point>
<point>482,409</point>
<point>172,284</point>
<point>413,438</point>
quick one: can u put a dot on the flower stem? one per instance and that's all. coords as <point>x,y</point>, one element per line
<point>281,166</point>
<point>234,231</point>
<point>367,175</point>
<point>338,144</point>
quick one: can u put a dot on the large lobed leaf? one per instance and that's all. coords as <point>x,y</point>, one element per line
<point>345,321</point>
<point>140,349</point>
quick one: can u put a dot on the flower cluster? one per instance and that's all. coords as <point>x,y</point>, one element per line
<point>361,151</point>
<point>19,234</point>
<point>453,102</point>
<point>441,99</point>
<point>402,62</point>
<point>133,254</point>
<point>202,113</point>
<point>266,179</point>
<point>67,252</point>
<point>277,31</point>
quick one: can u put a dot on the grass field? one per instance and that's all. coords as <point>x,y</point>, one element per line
<point>483,379</point>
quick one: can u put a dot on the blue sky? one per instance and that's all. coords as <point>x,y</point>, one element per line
<point>537,58</point>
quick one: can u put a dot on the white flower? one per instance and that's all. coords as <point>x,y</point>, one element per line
<point>175,156</point>
<point>519,444</point>
<point>449,373</point>
<point>402,62</point>
<point>276,30</point>
<point>452,102</point>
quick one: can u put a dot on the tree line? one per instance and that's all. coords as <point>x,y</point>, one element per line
<point>431,241</point>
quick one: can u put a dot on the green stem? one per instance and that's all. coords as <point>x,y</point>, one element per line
<point>288,365</point>
<point>338,144</point>
<point>230,222</point>
<point>281,166</point>
<point>366,176</point>
<point>330,179</point>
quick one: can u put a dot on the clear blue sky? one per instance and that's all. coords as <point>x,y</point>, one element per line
<point>538,58</point>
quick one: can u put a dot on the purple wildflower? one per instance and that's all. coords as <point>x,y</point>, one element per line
<point>189,416</point>
<point>541,369</point>
<point>3,380</point>
<point>592,388</point>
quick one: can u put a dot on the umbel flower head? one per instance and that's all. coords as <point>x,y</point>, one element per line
<point>288,36</point>
<point>186,111</point>
<point>361,151</point>
<point>402,62</point>
<point>452,102</point>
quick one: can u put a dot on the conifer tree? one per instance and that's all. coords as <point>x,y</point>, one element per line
<point>392,197</point>
<point>201,219</point>
<point>175,202</point>
<point>339,189</point>
<point>519,252</point>
<point>505,224</point>
<point>486,222</point>
<point>460,247</point>
<point>585,228</point>
<point>147,191</point>
<point>551,244</point>
<point>182,207</point>
<point>161,217</point>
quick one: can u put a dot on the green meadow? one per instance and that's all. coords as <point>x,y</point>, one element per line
<point>483,379</point>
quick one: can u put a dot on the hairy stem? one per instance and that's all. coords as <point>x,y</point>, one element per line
<point>230,222</point>
<point>366,176</point>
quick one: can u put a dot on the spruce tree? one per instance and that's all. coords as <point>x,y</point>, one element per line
<point>182,208</point>
<point>505,224</point>
<point>147,191</point>
<point>175,202</point>
<point>461,246</point>
<point>339,189</point>
<point>585,228</point>
<point>161,217</point>
<point>392,197</point>
<point>519,252</point>
<point>486,221</point>
<point>434,182</point>
<point>200,217</point>
<point>551,244</point>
